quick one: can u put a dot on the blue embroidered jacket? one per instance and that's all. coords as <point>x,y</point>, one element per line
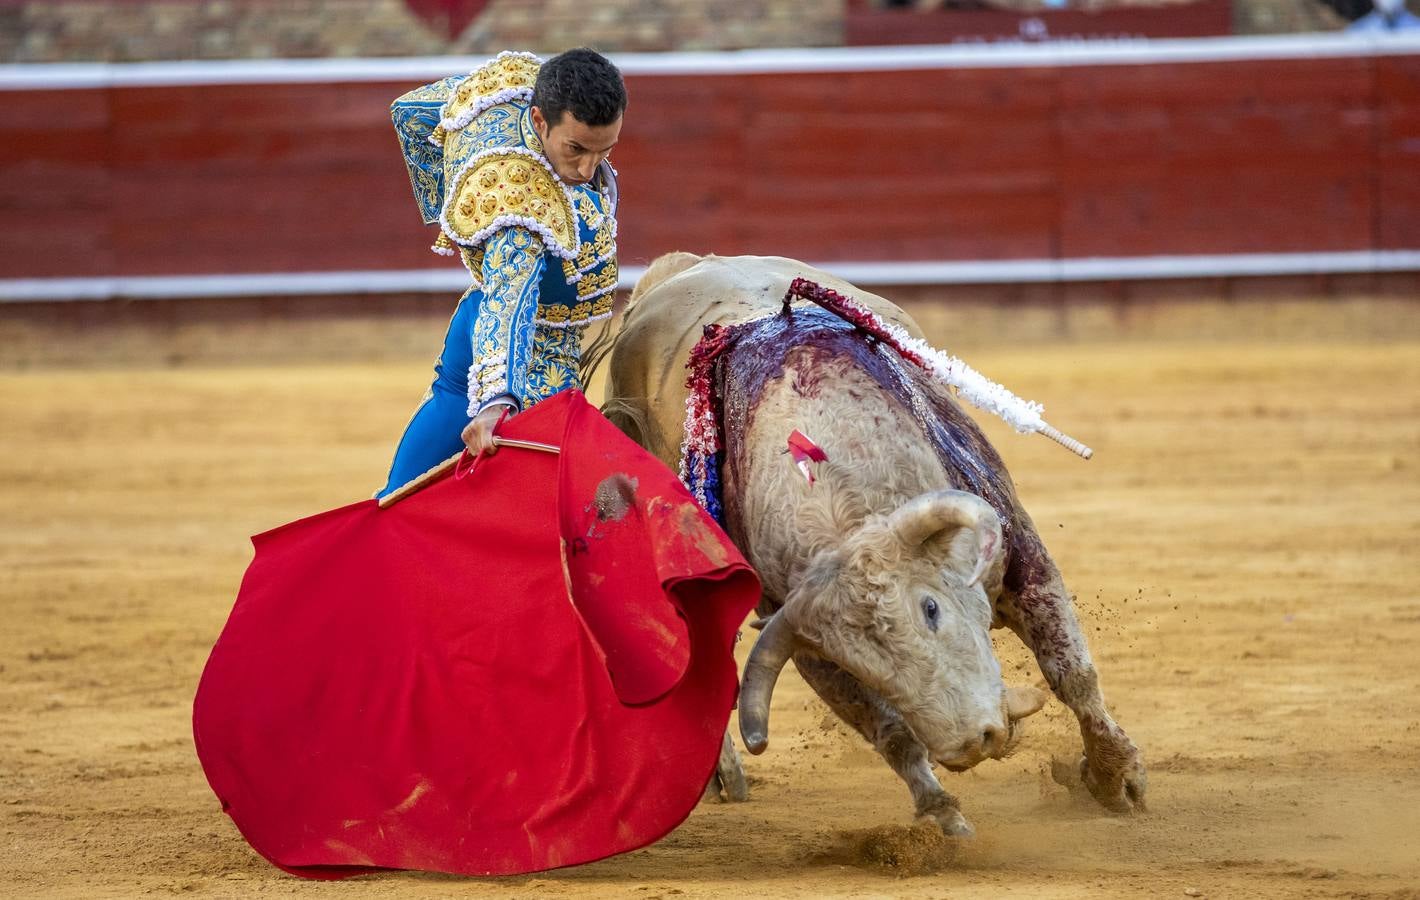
<point>542,252</point>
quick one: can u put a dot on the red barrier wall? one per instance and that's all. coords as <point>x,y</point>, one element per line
<point>867,23</point>
<point>946,164</point>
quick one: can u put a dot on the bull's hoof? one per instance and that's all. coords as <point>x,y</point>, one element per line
<point>728,784</point>
<point>946,816</point>
<point>1065,772</point>
<point>730,772</point>
<point>952,823</point>
<point>711,794</point>
<point>1119,788</point>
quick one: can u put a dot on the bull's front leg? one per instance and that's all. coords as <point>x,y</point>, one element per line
<point>1036,606</point>
<point>882,725</point>
<point>728,783</point>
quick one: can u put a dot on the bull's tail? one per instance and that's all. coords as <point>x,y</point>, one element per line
<point>629,416</point>
<point>595,353</point>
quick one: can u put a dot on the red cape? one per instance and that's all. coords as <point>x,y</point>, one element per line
<point>525,668</point>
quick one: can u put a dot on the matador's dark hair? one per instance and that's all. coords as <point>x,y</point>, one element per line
<point>581,81</point>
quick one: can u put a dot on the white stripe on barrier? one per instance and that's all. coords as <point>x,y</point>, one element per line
<point>287,284</point>
<point>1082,52</point>
<point>1126,268</point>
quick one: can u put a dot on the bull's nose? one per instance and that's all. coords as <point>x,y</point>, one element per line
<point>993,740</point>
<point>990,743</point>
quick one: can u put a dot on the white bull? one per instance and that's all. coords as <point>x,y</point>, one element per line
<point>881,580</point>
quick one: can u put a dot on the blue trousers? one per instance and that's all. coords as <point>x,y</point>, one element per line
<point>434,432</point>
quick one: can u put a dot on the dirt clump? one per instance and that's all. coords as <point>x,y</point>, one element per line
<point>902,850</point>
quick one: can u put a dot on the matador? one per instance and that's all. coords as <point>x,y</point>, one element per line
<point>511,162</point>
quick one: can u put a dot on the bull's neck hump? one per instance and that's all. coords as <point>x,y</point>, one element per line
<point>889,433</point>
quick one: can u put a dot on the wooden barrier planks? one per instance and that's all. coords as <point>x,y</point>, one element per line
<point>1032,162</point>
<point>1397,164</point>
<point>56,177</point>
<point>1238,157</point>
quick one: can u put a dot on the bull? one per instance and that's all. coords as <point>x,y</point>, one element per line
<point>883,579</point>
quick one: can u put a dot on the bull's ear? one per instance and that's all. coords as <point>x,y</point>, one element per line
<point>1024,701</point>
<point>928,523</point>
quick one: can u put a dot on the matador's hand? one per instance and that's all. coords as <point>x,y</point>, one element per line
<point>478,434</point>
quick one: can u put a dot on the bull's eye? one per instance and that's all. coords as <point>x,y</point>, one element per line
<point>929,611</point>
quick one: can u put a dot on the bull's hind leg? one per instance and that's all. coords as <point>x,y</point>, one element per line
<point>882,725</point>
<point>1038,609</point>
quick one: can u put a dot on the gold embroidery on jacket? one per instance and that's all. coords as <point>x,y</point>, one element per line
<point>505,73</point>
<point>516,189</point>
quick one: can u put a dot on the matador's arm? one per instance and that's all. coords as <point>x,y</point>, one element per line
<point>513,264</point>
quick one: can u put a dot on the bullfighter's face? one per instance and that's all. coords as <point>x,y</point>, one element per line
<point>575,148</point>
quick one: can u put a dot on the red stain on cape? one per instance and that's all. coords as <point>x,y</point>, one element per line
<point>491,676</point>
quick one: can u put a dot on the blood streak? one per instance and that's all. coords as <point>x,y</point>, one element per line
<point>757,353</point>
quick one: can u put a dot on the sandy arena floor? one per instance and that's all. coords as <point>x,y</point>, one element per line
<point>1243,547</point>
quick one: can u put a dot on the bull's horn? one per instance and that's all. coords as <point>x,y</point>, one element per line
<point>773,649</point>
<point>922,518</point>
<point>925,517</point>
<point>1024,701</point>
